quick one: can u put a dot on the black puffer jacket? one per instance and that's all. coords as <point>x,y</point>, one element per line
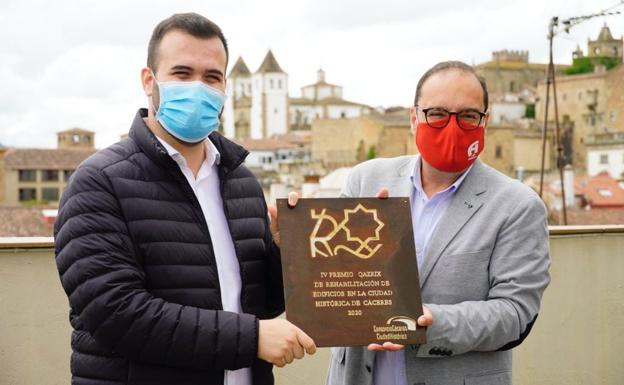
<point>136,261</point>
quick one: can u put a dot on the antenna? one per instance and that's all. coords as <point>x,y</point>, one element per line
<point>556,27</point>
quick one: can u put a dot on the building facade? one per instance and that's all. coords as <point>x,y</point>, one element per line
<point>605,153</point>
<point>259,105</point>
<point>591,99</point>
<point>510,71</point>
<point>39,176</point>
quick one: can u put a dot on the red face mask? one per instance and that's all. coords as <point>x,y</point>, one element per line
<point>449,149</point>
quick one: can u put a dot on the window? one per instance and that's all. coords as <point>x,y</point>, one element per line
<point>76,138</point>
<point>279,84</point>
<point>580,95</point>
<point>343,114</point>
<point>68,174</point>
<point>50,176</point>
<point>271,83</point>
<point>604,158</point>
<point>50,194</point>
<point>499,151</point>
<point>597,51</point>
<point>612,116</point>
<point>605,192</point>
<point>27,194</point>
<point>27,175</point>
<point>564,96</point>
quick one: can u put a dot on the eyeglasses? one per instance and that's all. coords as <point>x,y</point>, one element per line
<point>438,117</point>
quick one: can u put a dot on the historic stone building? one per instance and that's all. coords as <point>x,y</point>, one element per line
<point>259,106</point>
<point>511,72</point>
<point>590,101</point>
<point>346,142</point>
<point>38,175</point>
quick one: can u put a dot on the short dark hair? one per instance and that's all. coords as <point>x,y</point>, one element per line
<point>191,23</point>
<point>447,65</point>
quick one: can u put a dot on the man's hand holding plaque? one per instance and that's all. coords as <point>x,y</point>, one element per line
<point>350,271</point>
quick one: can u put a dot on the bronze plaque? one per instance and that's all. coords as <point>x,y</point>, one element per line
<point>350,273</point>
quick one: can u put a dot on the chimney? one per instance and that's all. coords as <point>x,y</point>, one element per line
<point>49,216</point>
<point>568,184</point>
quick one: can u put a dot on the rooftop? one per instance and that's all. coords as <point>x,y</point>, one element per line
<point>23,222</point>
<point>270,65</point>
<point>240,69</point>
<point>44,158</point>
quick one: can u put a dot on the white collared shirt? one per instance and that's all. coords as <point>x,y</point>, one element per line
<point>207,190</point>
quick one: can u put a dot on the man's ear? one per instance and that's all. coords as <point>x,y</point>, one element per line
<point>413,119</point>
<point>147,80</point>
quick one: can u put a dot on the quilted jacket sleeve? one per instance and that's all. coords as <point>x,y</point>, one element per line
<point>106,290</point>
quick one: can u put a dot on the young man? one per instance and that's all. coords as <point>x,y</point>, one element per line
<point>163,242</point>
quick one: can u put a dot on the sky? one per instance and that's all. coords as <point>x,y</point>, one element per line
<point>76,63</point>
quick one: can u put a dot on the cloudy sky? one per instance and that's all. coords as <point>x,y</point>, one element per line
<point>76,63</point>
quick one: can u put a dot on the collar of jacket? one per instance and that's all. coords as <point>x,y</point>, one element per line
<point>232,155</point>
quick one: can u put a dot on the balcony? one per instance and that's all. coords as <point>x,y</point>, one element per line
<point>577,339</point>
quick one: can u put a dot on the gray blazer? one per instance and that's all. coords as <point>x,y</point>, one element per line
<point>482,278</point>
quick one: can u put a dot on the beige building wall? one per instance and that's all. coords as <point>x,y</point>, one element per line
<point>11,189</point>
<point>396,141</point>
<point>527,153</point>
<point>2,176</point>
<point>498,150</point>
<point>577,339</point>
<point>615,99</point>
<point>577,95</point>
<point>12,185</point>
<point>336,142</point>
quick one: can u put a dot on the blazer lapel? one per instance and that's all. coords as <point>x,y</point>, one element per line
<point>465,203</point>
<point>401,185</point>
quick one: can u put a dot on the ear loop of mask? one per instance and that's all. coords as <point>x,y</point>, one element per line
<point>157,85</point>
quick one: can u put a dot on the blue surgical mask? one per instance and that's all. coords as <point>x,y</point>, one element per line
<point>189,111</point>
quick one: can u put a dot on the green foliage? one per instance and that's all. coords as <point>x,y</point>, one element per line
<point>586,65</point>
<point>34,203</point>
<point>372,153</point>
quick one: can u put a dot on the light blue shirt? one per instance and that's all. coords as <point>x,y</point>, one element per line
<point>389,368</point>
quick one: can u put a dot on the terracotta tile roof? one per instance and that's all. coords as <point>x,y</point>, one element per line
<point>590,217</point>
<point>323,102</point>
<point>76,130</point>
<point>321,83</point>
<point>603,191</point>
<point>49,159</point>
<point>300,138</point>
<point>270,144</point>
<point>23,222</point>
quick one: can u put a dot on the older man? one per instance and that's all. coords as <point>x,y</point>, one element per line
<point>481,242</point>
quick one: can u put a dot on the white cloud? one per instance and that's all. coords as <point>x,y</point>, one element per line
<point>76,63</point>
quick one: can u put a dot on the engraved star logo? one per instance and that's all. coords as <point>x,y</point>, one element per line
<point>373,212</point>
